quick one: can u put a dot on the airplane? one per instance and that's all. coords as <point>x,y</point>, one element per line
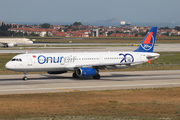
<point>84,63</point>
<point>10,42</point>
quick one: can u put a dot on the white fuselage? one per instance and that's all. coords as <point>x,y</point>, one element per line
<point>70,61</point>
<point>15,41</point>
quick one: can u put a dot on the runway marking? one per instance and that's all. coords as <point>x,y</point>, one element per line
<point>65,88</point>
<point>68,90</point>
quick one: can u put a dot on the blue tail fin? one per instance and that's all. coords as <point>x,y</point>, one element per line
<point>147,45</point>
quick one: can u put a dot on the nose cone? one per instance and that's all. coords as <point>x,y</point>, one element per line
<point>30,42</point>
<point>9,66</point>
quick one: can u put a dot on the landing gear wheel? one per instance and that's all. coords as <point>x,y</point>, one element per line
<point>75,75</point>
<point>24,78</point>
<point>96,76</point>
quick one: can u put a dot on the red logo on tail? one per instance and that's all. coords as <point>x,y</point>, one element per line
<point>148,38</point>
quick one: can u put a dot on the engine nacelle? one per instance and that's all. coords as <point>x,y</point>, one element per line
<point>85,71</point>
<point>56,72</point>
<point>10,45</point>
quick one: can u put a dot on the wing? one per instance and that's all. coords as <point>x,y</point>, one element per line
<point>104,65</point>
<point>9,44</point>
<point>4,44</point>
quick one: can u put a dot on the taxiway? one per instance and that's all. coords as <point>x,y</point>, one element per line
<point>93,48</point>
<point>44,83</point>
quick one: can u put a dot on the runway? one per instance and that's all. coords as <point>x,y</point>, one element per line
<point>95,48</point>
<point>44,83</point>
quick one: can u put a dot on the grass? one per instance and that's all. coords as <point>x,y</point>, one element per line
<point>132,103</point>
<point>157,103</point>
<point>164,62</point>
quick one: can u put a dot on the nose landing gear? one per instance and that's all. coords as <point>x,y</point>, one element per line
<point>25,76</point>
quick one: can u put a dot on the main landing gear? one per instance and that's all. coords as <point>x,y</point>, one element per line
<point>25,76</point>
<point>75,75</point>
<point>97,76</point>
<point>6,46</point>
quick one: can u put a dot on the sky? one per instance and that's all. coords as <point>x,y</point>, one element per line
<point>89,10</point>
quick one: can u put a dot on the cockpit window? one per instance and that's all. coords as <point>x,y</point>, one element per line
<point>16,59</point>
<point>13,60</point>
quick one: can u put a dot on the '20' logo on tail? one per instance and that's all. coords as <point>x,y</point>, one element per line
<point>127,58</point>
<point>148,42</point>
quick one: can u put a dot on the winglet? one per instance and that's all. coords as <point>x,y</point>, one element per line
<point>147,45</point>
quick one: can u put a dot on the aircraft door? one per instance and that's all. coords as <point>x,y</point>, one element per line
<point>29,60</point>
<point>139,56</point>
<point>100,59</point>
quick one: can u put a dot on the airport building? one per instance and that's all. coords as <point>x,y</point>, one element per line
<point>95,32</point>
<point>2,22</point>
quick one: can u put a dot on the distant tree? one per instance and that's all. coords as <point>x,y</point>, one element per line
<point>70,27</point>
<point>117,31</point>
<point>177,28</point>
<point>45,25</point>
<point>110,32</point>
<point>18,34</point>
<point>142,34</point>
<point>4,30</point>
<point>164,28</point>
<point>60,29</point>
<point>136,35</point>
<point>27,25</point>
<point>167,34</point>
<point>33,34</point>
<point>26,34</point>
<point>5,27</point>
<point>3,33</point>
<point>66,26</point>
<point>65,30</point>
<point>75,29</point>
<point>77,23</point>
<point>100,33</point>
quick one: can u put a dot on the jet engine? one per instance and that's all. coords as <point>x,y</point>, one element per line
<point>86,71</point>
<point>10,45</point>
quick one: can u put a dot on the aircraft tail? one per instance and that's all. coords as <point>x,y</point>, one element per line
<point>147,45</point>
